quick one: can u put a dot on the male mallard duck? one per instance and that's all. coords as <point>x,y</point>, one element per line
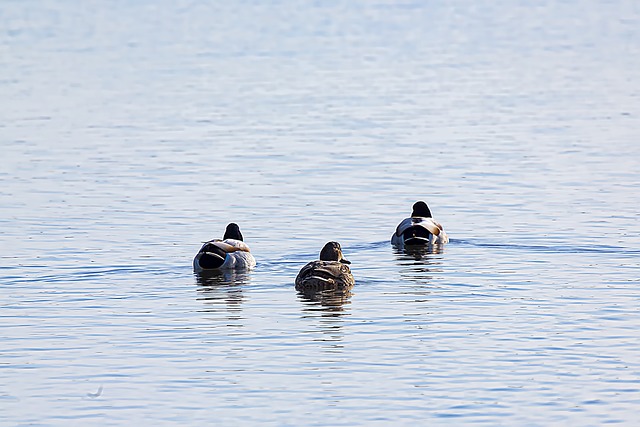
<point>330,272</point>
<point>420,229</point>
<point>228,253</point>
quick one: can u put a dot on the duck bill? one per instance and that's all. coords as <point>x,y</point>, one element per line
<point>345,261</point>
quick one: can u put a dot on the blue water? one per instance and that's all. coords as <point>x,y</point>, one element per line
<point>131,133</point>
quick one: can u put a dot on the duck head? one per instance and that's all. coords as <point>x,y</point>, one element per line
<point>421,209</point>
<point>232,232</point>
<point>333,252</point>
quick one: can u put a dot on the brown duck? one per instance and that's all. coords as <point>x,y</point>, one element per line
<point>330,272</point>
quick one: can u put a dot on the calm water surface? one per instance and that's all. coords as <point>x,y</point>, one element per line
<point>130,133</point>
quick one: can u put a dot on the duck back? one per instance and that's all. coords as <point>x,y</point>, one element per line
<point>319,275</point>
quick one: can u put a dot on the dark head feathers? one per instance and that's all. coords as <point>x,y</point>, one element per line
<point>232,232</point>
<point>333,252</point>
<point>421,209</point>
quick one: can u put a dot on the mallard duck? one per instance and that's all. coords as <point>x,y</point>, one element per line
<point>420,229</point>
<point>229,253</point>
<point>330,272</point>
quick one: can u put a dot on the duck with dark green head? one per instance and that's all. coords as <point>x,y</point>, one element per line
<point>420,229</point>
<point>229,253</point>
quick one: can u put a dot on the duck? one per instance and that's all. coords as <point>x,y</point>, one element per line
<point>331,271</point>
<point>420,229</point>
<point>229,253</point>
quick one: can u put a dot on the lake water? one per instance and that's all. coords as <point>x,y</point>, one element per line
<point>133,131</point>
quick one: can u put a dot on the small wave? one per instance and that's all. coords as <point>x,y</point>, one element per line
<point>556,248</point>
<point>31,273</point>
<point>369,246</point>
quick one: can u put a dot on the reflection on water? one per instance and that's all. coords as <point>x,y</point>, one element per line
<point>222,277</point>
<point>417,252</point>
<point>221,288</point>
<point>326,300</point>
<point>418,263</point>
<point>328,308</point>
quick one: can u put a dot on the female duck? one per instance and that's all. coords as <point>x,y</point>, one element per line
<point>330,272</point>
<point>420,229</point>
<point>229,253</point>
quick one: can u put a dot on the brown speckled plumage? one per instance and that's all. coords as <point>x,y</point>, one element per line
<point>330,272</point>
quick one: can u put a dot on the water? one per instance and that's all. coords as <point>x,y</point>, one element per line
<point>131,133</point>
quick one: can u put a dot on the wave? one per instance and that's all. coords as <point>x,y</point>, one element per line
<point>549,248</point>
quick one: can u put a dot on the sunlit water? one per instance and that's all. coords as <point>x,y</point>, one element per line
<point>130,133</point>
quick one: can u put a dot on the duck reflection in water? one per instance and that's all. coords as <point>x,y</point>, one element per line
<point>418,264</point>
<point>417,253</point>
<point>221,288</point>
<point>325,300</point>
